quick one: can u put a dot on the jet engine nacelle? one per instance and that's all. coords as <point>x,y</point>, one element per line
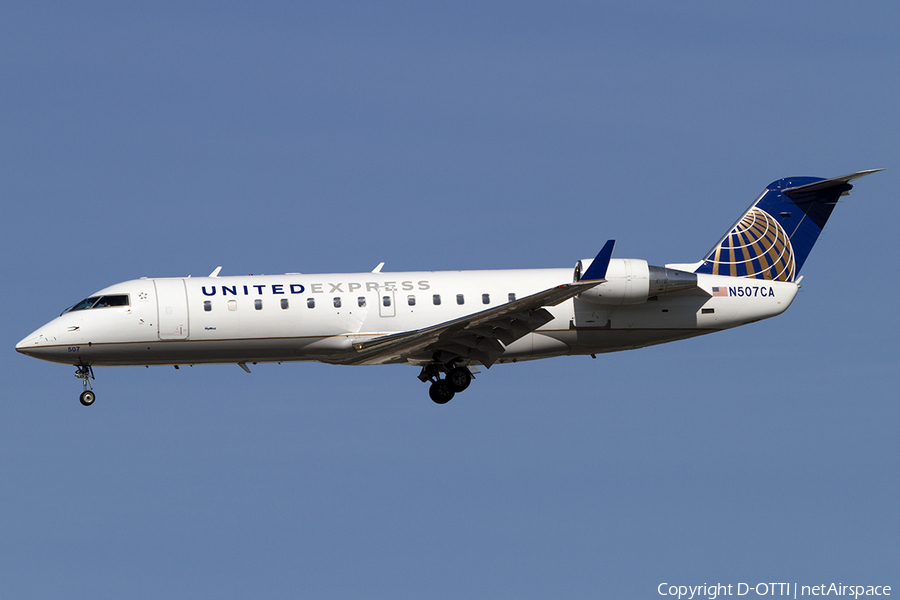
<point>633,281</point>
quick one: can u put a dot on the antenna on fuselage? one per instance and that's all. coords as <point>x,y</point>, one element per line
<point>216,272</point>
<point>378,268</point>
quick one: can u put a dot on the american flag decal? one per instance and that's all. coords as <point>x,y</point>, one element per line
<point>720,291</point>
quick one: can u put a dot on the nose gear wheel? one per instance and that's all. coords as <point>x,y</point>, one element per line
<point>85,373</point>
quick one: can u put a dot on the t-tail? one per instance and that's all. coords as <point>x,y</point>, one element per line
<point>774,237</point>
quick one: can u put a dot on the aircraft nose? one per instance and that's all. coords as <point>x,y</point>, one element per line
<point>27,342</point>
<point>36,340</point>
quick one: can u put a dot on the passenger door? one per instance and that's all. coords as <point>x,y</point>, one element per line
<point>171,303</point>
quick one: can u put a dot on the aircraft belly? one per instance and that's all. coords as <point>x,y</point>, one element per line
<point>549,345</point>
<point>535,345</point>
<point>598,341</point>
<point>679,312</point>
<point>182,352</point>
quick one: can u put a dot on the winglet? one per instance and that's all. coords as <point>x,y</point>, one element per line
<point>597,270</point>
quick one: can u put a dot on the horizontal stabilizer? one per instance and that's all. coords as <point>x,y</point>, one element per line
<point>801,192</point>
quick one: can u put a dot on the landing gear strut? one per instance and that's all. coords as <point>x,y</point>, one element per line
<point>442,390</point>
<point>85,373</point>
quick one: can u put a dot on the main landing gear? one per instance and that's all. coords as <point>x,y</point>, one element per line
<point>442,390</point>
<point>85,373</point>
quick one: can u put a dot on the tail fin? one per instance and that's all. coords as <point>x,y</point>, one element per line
<point>773,238</point>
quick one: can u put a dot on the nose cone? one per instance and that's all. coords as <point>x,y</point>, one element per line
<point>38,340</point>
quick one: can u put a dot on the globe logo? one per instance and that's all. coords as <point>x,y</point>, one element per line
<point>757,247</point>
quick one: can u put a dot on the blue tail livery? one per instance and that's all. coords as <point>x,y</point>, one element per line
<point>774,237</point>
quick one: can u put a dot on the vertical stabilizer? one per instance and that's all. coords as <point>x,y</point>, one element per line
<point>774,237</point>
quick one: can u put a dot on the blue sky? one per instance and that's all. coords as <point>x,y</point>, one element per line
<point>167,139</point>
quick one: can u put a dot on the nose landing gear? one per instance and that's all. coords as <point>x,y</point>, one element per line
<point>87,397</point>
<point>85,373</point>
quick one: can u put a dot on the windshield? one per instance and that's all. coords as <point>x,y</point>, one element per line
<point>100,302</point>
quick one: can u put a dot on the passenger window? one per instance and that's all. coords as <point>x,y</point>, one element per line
<point>411,300</point>
<point>436,299</point>
<point>232,305</point>
<point>311,303</point>
<point>207,305</point>
<point>460,299</point>
<point>512,297</point>
<point>337,302</point>
<point>386,300</point>
<point>257,304</point>
<point>361,301</point>
<point>284,303</point>
<point>485,298</point>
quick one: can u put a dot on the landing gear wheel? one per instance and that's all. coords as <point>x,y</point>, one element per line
<point>459,379</point>
<point>85,374</point>
<point>441,391</point>
<point>87,397</point>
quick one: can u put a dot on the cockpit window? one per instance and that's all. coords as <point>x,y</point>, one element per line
<point>101,302</point>
<point>86,303</point>
<point>118,300</point>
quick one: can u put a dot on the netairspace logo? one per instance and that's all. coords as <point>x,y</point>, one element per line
<point>794,590</point>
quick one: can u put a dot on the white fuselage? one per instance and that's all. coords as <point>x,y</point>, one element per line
<point>297,317</point>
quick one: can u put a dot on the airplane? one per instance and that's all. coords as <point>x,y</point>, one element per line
<point>450,323</point>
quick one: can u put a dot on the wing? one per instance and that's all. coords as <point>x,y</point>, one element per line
<point>480,336</point>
